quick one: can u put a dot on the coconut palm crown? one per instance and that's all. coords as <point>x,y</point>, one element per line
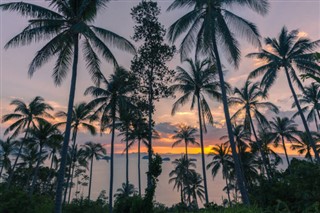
<point>288,53</point>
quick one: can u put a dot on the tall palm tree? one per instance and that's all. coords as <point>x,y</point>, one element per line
<point>185,134</point>
<point>108,101</point>
<point>7,148</point>
<point>25,117</point>
<point>283,129</point>
<point>289,53</point>
<point>82,117</point>
<point>91,151</point>
<point>303,144</point>
<point>42,135</point>
<point>180,175</point>
<point>249,100</point>
<point>221,158</point>
<point>211,24</point>
<point>68,24</point>
<point>311,99</point>
<point>197,83</point>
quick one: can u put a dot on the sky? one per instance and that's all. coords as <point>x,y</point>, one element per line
<point>15,83</point>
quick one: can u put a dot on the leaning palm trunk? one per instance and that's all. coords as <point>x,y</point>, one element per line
<point>35,175</point>
<point>68,185</point>
<point>316,122</point>
<point>139,170</point>
<point>58,199</point>
<point>311,141</point>
<point>112,158</point>
<point>285,150</point>
<point>239,173</point>
<point>263,156</point>
<point>1,170</point>
<point>318,117</point>
<point>18,156</point>
<point>202,151</point>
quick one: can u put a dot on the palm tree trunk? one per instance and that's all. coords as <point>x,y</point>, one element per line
<point>127,159</point>
<point>239,174</point>
<point>263,156</point>
<point>195,198</point>
<point>318,115</point>
<point>186,146</point>
<point>139,169</point>
<point>70,188</point>
<point>35,175</point>
<point>302,117</point>
<point>112,158</point>
<point>60,180</point>
<point>90,180</point>
<point>202,152</point>
<point>1,170</point>
<point>18,156</point>
<point>150,111</point>
<point>285,150</point>
<point>74,137</point>
<point>228,191</point>
<point>316,122</point>
<point>181,196</point>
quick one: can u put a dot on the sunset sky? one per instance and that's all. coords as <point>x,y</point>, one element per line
<point>15,83</point>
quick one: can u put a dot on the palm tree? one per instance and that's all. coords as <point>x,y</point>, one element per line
<point>67,25</point>
<point>42,135</point>
<point>180,175</point>
<point>25,117</point>
<point>288,53</point>
<point>91,151</point>
<point>126,118</point>
<point>241,137</point>
<point>249,99</point>
<point>185,134</point>
<point>54,148</point>
<point>30,156</point>
<point>266,138</point>
<point>7,148</point>
<point>201,80</point>
<point>283,129</point>
<point>125,191</point>
<point>82,117</point>
<point>77,160</point>
<point>303,144</point>
<point>139,133</point>
<point>208,25</point>
<point>108,101</point>
<point>196,187</point>
<point>221,159</point>
<point>311,98</point>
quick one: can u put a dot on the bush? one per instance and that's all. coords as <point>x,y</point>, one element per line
<point>297,189</point>
<point>15,201</point>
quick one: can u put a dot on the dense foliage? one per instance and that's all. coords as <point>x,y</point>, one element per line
<point>44,168</point>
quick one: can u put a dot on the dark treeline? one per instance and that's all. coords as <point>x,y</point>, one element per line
<point>42,166</point>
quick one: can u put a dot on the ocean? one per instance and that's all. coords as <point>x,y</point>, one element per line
<point>164,192</point>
